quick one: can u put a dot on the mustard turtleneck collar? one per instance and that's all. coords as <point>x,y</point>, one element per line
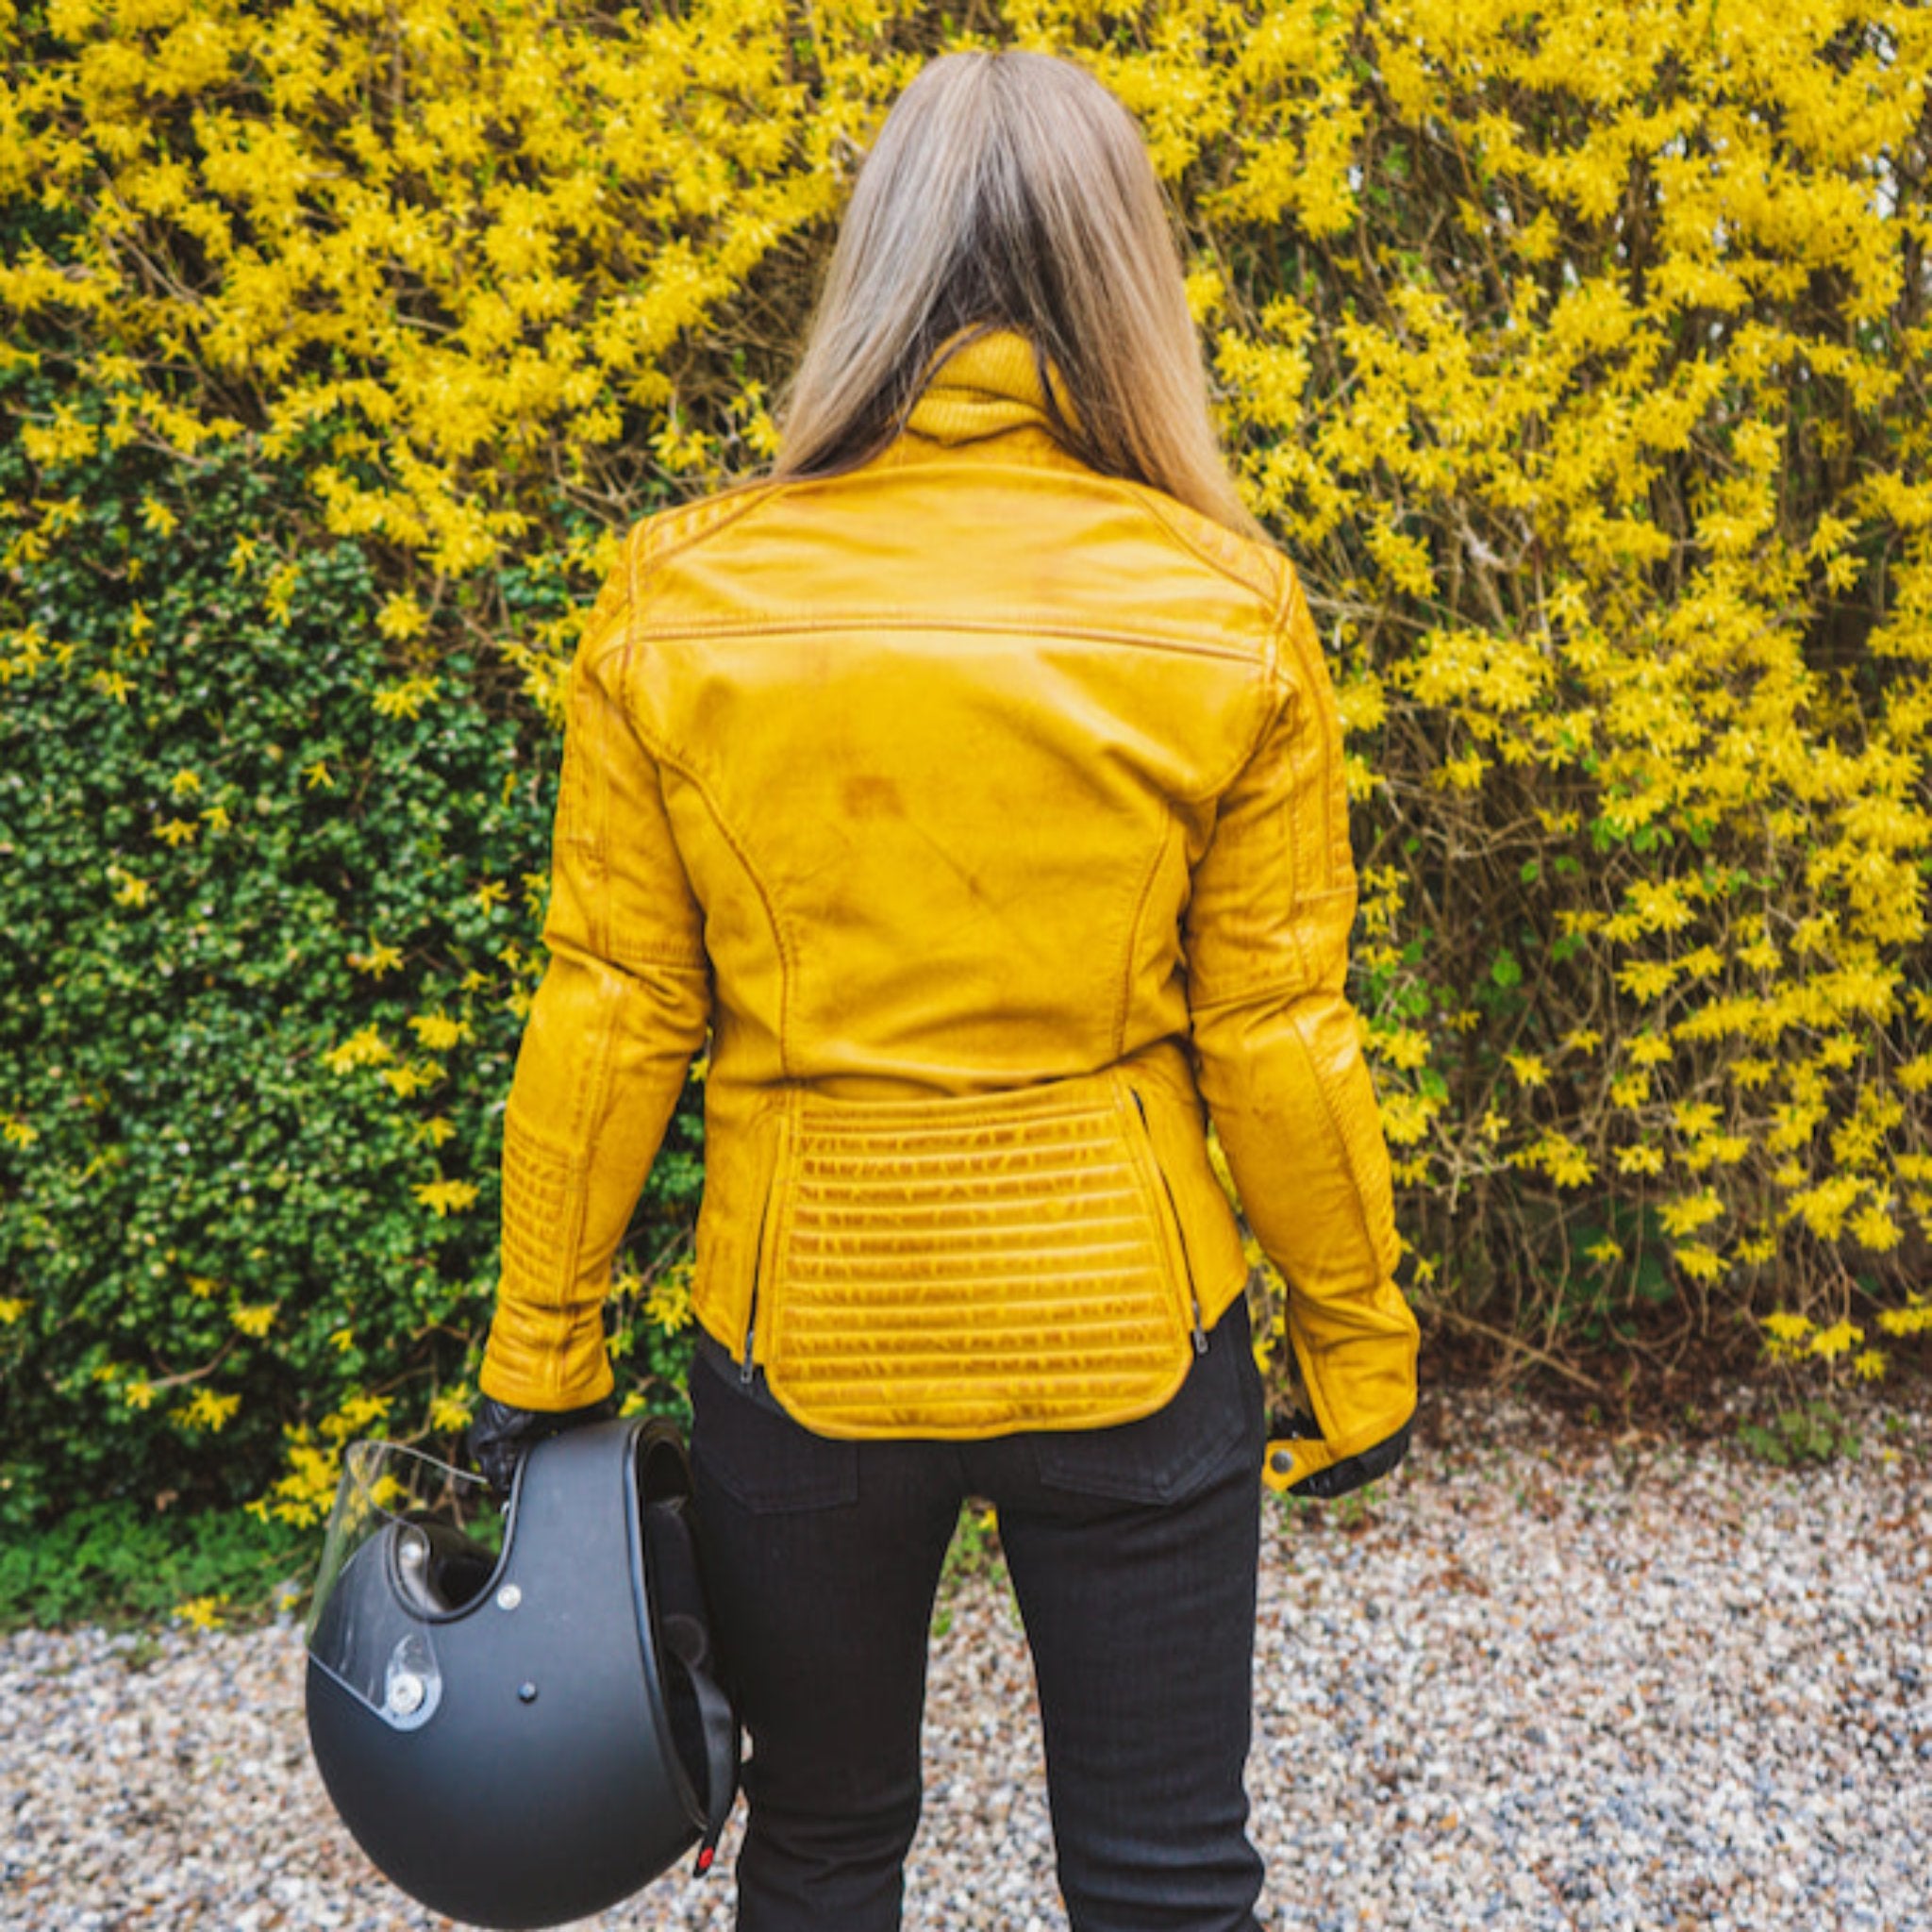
<point>985,387</point>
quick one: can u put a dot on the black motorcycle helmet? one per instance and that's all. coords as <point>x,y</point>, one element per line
<point>524,1736</point>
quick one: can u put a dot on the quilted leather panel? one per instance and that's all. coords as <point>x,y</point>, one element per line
<point>541,1204</point>
<point>971,1267</point>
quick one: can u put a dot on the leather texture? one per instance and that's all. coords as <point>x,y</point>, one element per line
<point>987,815</point>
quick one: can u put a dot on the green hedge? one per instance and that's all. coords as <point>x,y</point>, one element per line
<point>229,849</point>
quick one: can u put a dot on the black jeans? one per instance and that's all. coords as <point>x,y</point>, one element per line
<point>1132,1551</point>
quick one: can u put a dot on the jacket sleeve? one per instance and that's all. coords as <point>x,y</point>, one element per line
<point>623,1007</point>
<point>1280,1063</point>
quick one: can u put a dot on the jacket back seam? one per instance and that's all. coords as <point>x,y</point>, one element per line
<point>874,619</point>
<point>1124,1001</point>
<point>741,852</point>
<point>665,754</point>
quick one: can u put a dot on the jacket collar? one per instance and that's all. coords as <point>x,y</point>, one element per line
<point>985,387</point>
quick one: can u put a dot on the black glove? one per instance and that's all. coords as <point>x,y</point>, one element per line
<point>1350,1473</point>
<point>500,1434</point>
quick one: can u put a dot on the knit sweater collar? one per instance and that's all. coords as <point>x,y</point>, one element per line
<point>985,387</point>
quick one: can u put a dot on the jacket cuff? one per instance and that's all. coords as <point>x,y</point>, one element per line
<point>545,1380</point>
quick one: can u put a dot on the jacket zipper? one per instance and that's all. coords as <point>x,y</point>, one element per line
<point>747,1368</point>
<point>1179,1233</point>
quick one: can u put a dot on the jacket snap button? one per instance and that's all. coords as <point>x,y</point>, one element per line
<point>1281,1462</point>
<point>526,1693</point>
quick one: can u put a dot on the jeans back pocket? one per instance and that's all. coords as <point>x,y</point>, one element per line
<point>1170,1454</point>
<point>762,1459</point>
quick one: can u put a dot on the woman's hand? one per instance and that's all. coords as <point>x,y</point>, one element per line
<point>500,1434</point>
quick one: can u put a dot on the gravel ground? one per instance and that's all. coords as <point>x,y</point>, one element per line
<point>1542,1681</point>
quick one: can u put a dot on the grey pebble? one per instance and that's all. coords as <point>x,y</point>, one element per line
<point>1547,1684</point>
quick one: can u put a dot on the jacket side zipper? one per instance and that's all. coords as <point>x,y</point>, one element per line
<point>1174,1213</point>
<point>747,1368</point>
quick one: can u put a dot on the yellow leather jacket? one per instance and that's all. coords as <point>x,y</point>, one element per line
<point>988,813</point>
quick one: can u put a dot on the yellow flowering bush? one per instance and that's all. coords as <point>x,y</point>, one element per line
<point>1575,353</point>
<point>1587,382</point>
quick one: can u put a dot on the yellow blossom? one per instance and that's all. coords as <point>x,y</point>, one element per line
<point>1840,1339</point>
<point>668,1304</point>
<point>1401,1046</point>
<point>208,1409</point>
<point>1688,1212</point>
<point>452,1411</point>
<point>363,1048</point>
<point>1700,1262</point>
<point>1873,1228</point>
<point>402,618</point>
<point>445,1196</point>
<point>1563,1161</point>
<point>407,699</point>
<point>411,1078</point>
<point>377,961</point>
<point>437,1031</point>
<point>1646,979</point>
<point>1640,1160</point>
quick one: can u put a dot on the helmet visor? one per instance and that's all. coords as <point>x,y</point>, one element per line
<point>410,1543</point>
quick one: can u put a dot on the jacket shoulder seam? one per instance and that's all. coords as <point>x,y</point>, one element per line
<point>668,532</point>
<point>646,544</point>
<point>1147,500</point>
<point>1276,694</point>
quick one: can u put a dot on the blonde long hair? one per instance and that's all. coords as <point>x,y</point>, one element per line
<point>1012,189</point>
